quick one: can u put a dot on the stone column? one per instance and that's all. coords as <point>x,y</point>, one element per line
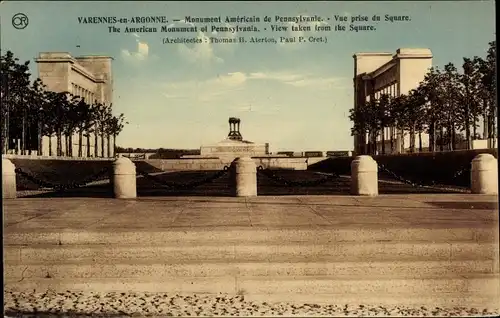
<point>8,180</point>
<point>484,174</point>
<point>244,177</point>
<point>364,176</point>
<point>124,179</point>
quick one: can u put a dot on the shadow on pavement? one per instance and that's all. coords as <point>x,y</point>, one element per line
<point>466,205</point>
<point>191,183</point>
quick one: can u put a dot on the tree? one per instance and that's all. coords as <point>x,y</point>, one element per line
<point>470,83</point>
<point>29,112</point>
<point>373,121</point>
<point>14,94</point>
<point>102,115</point>
<point>360,126</point>
<point>39,104</point>
<point>452,98</point>
<point>365,123</point>
<point>384,117</point>
<point>48,127</point>
<point>116,125</point>
<point>432,91</point>
<point>487,69</point>
<point>84,114</point>
<point>398,106</point>
<point>413,109</point>
<point>59,116</point>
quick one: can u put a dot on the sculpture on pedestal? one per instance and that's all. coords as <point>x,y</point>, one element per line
<point>234,129</point>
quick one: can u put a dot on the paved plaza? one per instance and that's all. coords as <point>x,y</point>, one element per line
<point>262,212</point>
<point>267,255</point>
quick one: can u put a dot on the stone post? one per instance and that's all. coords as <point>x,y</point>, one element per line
<point>8,179</point>
<point>484,174</point>
<point>364,176</point>
<point>124,179</point>
<point>244,177</point>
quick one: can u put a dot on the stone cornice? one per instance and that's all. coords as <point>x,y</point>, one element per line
<point>371,54</point>
<point>402,53</point>
<point>74,66</point>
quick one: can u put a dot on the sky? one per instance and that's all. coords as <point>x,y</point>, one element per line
<point>294,96</point>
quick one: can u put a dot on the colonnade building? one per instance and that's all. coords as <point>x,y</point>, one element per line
<point>88,77</point>
<point>392,74</point>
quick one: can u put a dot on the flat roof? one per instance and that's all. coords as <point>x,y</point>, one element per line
<point>372,54</point>
<point>52,55</point>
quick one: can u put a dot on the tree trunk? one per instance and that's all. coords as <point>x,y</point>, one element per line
<point>40,144</point>
<point>50,144</point>
<point>114,145</point>
<point>23,137</point>
<point>71,143</point>
<point>454,131</point>
<point>4,135</point>
<point>80,142</point>
<point>392,140</point>
<point>451,141</point>
<point>66,148</point>
<point>366,145</point>
<point>369,144</point>
<point>431,137</point>
<point>59,143</point>
<point>88,143</point>
<point>485,125</point>
<point>412,138</point>
<point>441,135</point>
<point>109,145</point>
<point>96,141</point>
<point>434,136</point>
<point>383,140</point>
<point>493,128</point>
<point>491,131</point>
<point>467,128</point>
<point>102,143</point>
<point>420,141</point>
<point>474,128</point>
<point>402,136</point>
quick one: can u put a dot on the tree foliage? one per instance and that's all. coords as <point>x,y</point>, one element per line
<point>31,111</point>
<point>447,105</point>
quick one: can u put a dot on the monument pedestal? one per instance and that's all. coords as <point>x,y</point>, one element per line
<point>229,148</point>
<point>233,146</point>
<point>224,152</point>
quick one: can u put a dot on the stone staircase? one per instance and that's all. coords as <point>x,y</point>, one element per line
<point>374,266</point>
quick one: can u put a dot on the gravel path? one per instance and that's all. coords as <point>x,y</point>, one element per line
<point>70,304</point>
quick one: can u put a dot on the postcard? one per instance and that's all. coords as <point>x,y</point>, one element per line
<point>249,158</point>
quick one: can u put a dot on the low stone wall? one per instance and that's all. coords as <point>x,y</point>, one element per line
<point>218,164</point>
<point>282,163</point>
<point>278,162</point>
<point>314,160</point>
<point>447,167</point>
<point>187,164</point>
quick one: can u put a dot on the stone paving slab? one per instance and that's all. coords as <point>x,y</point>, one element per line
<point>284,253</point>
<point>257,212</point>
<point>161,269</point>
<point>433,248</point>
